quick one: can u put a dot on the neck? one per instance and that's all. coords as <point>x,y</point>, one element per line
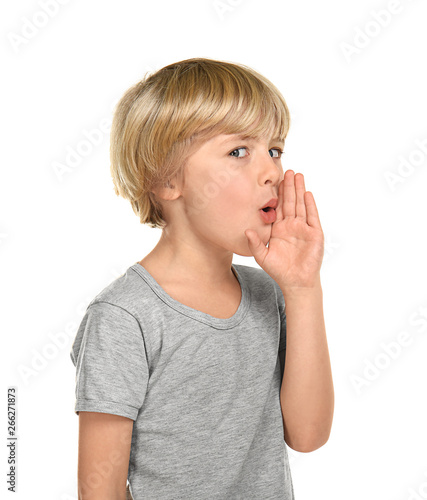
<point>190,261</point>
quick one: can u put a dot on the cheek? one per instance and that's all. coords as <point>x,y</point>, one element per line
<point>233,198</point>
<point>221,195</point>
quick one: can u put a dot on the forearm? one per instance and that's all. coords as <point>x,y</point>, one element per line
<point>307,393</point>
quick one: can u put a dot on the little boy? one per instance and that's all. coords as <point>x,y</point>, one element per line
<point>181,386</point>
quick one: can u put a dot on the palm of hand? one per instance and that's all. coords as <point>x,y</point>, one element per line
<point>295,250</point>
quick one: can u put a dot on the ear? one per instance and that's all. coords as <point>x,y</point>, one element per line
<point>168,191</point>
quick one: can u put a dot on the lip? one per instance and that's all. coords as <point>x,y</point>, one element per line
<point>272,203</point>
<point>268,217</point>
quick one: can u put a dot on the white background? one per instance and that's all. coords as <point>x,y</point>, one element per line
<point>356,120</point>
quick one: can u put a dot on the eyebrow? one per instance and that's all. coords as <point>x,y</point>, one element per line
<point>247,138</point>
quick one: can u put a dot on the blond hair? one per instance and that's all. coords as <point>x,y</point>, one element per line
<point>160,121</point>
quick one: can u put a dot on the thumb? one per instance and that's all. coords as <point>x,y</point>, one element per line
<point>256,246</point>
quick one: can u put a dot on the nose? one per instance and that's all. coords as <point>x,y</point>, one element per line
<point>271,171</point>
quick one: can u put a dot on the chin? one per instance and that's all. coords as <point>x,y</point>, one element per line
<point>243,249</point>
<point>240,246</point>
<point>243,253</point>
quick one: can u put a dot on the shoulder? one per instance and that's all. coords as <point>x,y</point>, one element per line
<point>122,293</point>
<point>256,277</point>
<point>255,274</point>
<point>109,321</point>
<point>260,282</point>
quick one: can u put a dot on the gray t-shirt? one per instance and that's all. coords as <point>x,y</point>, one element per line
<point>203,392</point>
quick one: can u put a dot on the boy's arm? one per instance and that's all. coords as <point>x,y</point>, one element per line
<point>293,259</point>
<point>103,458</point>
<point>307,393</point>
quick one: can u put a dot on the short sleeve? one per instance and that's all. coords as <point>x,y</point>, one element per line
<point>111,363</point>
<point>282,312</point>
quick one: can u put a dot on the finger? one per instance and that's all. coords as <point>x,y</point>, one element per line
<point>289,195</point>
<point>312,213</point>
<point>279,208</point>
<point>256,246</point>
<point>300,189</point>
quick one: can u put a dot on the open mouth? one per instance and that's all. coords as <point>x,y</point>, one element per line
<point>268,215</point>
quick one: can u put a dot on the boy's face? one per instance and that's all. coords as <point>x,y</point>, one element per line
<point>227,181</point>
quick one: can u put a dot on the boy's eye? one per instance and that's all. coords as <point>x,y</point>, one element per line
<point>278,151</point>
<point>238,149</point>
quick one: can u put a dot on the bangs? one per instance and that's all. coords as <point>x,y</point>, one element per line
<point>246,107</point>
<point>217,98</point>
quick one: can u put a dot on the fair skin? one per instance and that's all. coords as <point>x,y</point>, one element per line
<point>103,458</point>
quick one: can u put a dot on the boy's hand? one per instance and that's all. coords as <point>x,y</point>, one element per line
<point>295,250</point>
